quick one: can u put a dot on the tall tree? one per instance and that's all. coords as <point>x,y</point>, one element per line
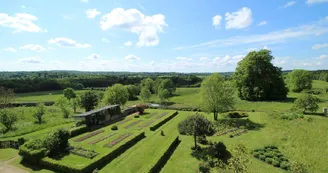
<point>39,113</point>
<point>89,100</point>
<point>196,125</point>
<point>6,95</point>
<point>299,80</point>
<point>307,102</point>
<point>116,94</point>
<point>69,93</point>
<point>145,94</point>
<point>133,91</point>
<point>7,119</point>
<point>217,95</point>
<point>168,85</point>
<point>258,79</point>
<point>163,94</point>
<point>148,83</point>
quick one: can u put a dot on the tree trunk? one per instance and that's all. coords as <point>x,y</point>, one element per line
<point>215,116</point>
<point>195,142</point>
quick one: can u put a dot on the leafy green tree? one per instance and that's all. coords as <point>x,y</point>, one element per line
<point>299,80</point>
<point>69,93</point>
<point>307,102</point>
<point>196,125</point>
<point>6,95</point>
<point>156,84</point>
<point>40,111</point>
<point>57,142</point>
<point>148,83</point>
<point>217,95</point>
<point>7,119</point>
<point>145,94</point>
<point>75,102</point>
<point>63,103</point>
<point>133,91</point>
<point>258,79</point>
<point>89,100</point>
<point>163,94</point>
<point>168,85</point>
<point>116,94</point>
<point>238,163</point>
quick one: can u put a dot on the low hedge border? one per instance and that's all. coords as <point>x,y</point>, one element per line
<point>165,157</point>
<point>78,131</point>
<point>99,163</point>
<point>159,124</point>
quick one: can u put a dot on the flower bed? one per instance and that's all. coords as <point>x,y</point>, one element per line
<point>161,115</point>
<point>80,139</point>
<point>117,140</point>
<point>124,121</point>
<point>102,138</point>
<point>132,124</point>
<point>226,131</point>
<point>84,152</point>
<point>146,124</point>
<point>238,133</point>
<point>271,155</point>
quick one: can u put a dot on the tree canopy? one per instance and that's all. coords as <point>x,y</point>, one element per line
<point>145,94</point>
<point>258,79</point>
<point>6,95</point>
<point>116,94</point>
<point>307,102</point>
<point>133,91</point>
<point>89,100</point>
<point>299,80</point>
<point>69,93</point>
<point>148,83</point>
<point>217,95</point>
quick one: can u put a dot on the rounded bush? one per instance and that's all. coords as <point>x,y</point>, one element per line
<point>284,165</point>
<point>268,154</point>
<point>268,160</point>
<point>202,140</point>
<point>275,163</point>
<point>310,119</point>
<point>256,154</point>
<point>114,128</point>
<point>204,167</point>
<point>262,157</point>
<point>136,116</point>
<point>283,159</point>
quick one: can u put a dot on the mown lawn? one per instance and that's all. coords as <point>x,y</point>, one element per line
<point>7,154</point>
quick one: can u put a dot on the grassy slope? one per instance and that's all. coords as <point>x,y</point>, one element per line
<point>145,154</point>
<point>8,153</point>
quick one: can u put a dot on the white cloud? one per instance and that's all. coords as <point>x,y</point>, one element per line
<point>9,49</point>
<point>132,57</point>
<point>323,57</point>
<point>23,6</point>
<point>34,60</point>
<point>227,60</point>
<point>33,47</point>
<point>20,22</point>
<point>105,40</point>
<point>146,27</point>
<point>93,56</point>
<point>216,20</point>
<point>84,1</point>
<point>269,38</point>
<point>67,42</point>
<point>128,43</point>
<point>184,58</point>
<point>68,17</point>
<point>203,59</point>
<point>92,13</point>
<point>316,1</point>
<point>319,46</point>
<point>288,4</point>
<point>262,23</point>
<point>266,47</point>
<point>152,63</point>
<point>239,19</point>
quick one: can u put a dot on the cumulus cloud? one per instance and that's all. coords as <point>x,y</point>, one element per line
<point>67,42</point>
<point>128,43</point>
<point>146,27</point>
<point>288,4</point>
<point>23,6</point>
<point>319,46</point>
<point>227,60</point>
<point>262,23</point>
<point>216,20</point>
<point>84,1</point>
<point>239,19</point>
<point>131,57</point>
<point>9,49</point>
<point>33,47</point>
<point>266,47</point>
<point>33,60</point>
<point>184,58</point>
<point>316,1</point>
<point>93,56</point>
<point>20,22</point>
<point>203,59</point>
<point>92,13</point>
<point>323,57</point>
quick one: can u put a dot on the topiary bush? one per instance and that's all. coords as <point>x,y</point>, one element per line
<point>57,142</point>
<point>284,165</point>
<point>136,116</point>
<point>204,167</point>
<point>202,140</point>
<point>269,154</point>
<point>237,115</point>
<point>256,154</point>
<point>262,157</point>
<point>114,128</point>
<point>32,151</point>
<point>275,163</point>
<point>268,160</point>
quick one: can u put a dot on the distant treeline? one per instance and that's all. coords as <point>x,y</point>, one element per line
<point>23,82</point>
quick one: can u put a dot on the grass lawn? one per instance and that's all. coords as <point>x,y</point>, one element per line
<point>30,168</point>
<point>7,154</point>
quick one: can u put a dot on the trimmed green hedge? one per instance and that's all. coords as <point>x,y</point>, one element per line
<point>99,163</point>
<point>32,155</point>
<point>78,130</point>
<point>159,124</point>
<point>165,157</point>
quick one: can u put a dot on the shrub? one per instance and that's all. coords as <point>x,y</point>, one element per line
<point>237,115</point>
<point>202,140</point>
<point>57,142</point>
<point>204,167</point>
<point>219,150</point>
<point>310,119</point>
<point>269,154</point>
<point>8,119</point>
<point>78,130</point>
<point>32,151</point>
<point>136,116</point>
<point>275,163</point>
<point>270,146</point>
<point>268,160</point>
<point>114,128</point>
<point>256,154</point>
<point>262,157</point>
<point>284,165</point>
<point>253,110</point>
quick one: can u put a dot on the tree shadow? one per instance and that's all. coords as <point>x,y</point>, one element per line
<point>34,167</point>
<point>288,100</point>
<point>315,113</point>
<point>59,156</point>
<point>239,122</point>
<point>205,153</point>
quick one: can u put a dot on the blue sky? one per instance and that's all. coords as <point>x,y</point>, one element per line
<point>162,35</point>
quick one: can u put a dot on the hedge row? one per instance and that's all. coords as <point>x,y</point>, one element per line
<point>32,155</point>
<point>78,130</point>
<point>176,108</point>
<point>99,163</point>
<point>165,157</point>
<point>159,124</point>
<point>27,104</point>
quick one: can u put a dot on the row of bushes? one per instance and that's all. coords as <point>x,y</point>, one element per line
<point>78,130</point>
<point>236,114</point>
<point>159,124</point>
<point>99,163</point>
<point>176,108</point>
<point>165,157</point>
<point>271,155</point>
<point>27,104</point>
<point>12,143</point>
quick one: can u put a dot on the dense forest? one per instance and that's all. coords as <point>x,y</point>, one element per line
<point>56,80</point>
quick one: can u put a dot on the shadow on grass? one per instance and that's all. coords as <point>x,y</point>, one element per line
<point>59,156</point>
<point>238,122</point>
<point>205,153</point>
<point>316,113</point>
<point>33,167</point>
